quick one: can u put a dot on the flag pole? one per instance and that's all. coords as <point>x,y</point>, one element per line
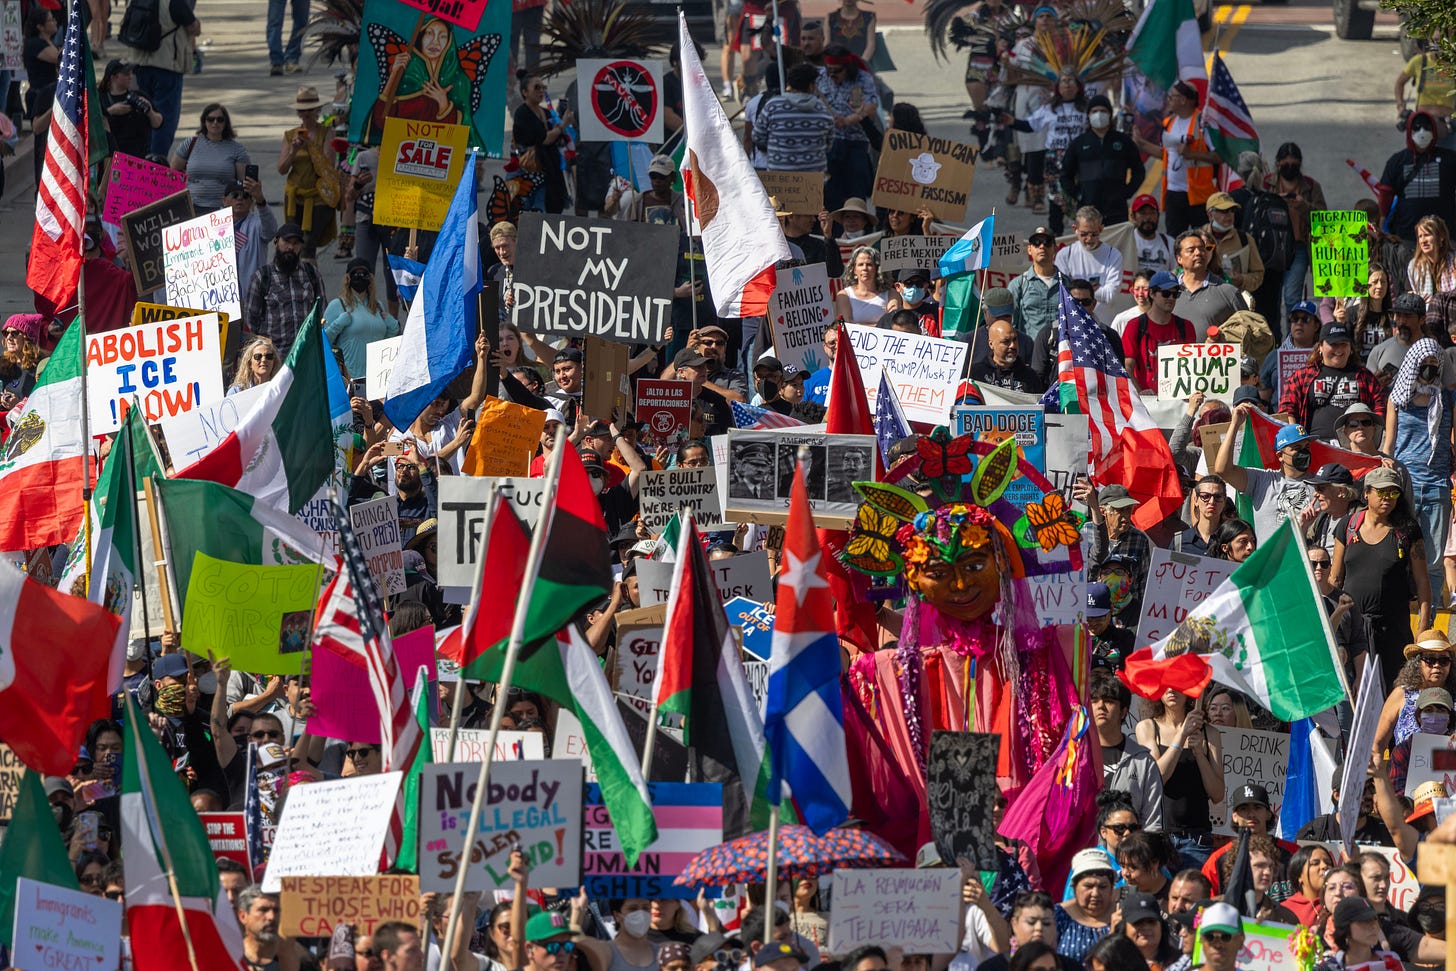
<point>981,291</point>
<point>508,669</point>
<point>460,689</point>
<point>770,888</point>
<point>85,415</point>
<point>159,552</point>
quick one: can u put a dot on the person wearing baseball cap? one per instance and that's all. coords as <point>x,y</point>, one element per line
<point>1111,644</point>
<point>1232,255</point>
<point>1036,293</point>
<point>1113,534</point>
<point>1358,935</point>
<point>1221,932</point>
<point>1408,313</point>
<point>1156,250</point>
<point>1274,495</point>
<point>282,293</point>
<point>1160,325</point>
<point>1102,167</point>
<point>1317,395</point>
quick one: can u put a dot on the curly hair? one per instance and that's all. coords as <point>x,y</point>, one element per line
<point>848,278</point>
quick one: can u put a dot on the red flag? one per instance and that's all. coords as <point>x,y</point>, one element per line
<point>1186,674</point>
<point>1265,428</point>
<point>849,414</point>
<point>507,547</point>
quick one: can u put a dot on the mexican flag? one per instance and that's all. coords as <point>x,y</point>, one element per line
<point>32,848</point>
<point>282,450</point>
<point>41,463</point>
<point>160,834</point>
<point>204,517</point>
<point>1166,44</point>
<point>1264,631</point>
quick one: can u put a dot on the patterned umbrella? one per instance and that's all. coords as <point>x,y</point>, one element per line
<point>802,853</point>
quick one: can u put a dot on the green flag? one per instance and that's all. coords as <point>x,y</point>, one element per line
<point>33,849</point>
<point>407,859</point>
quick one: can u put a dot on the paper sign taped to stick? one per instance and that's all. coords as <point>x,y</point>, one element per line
<point>621,99</point>
<point>58,928</point>
<point>376,526</point>
<point>132,183</point>
<point>201,264</point>
<point>419,167</point>
<point>912,253</point>
<point>314,906</point>
<point>534,806</point>
<point>332,829</point>
<point>924,172</point>
<point>378,362</point>
<point>801,306</point>
<point>259,616</point>
<point>1176,583</point>
<point>470,745</point>
<point>1184,369</point>
<point>924,371</point>
<point>917,909</point>
<point>689,820</point>
<point>761,474</point>
<point>506,438</point>
<point>662,494</point>
<point>143,231</point>
<point>797,192</point>
<point>170,367</point>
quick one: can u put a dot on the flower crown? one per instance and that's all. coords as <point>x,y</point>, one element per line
<point>945,533</point>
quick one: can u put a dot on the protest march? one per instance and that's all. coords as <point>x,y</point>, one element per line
<point>617,492</point>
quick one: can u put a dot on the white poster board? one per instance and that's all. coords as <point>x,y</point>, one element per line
<point>191,434</point>
<point>801,306</point>
<point>470,745</point>
<point>662,493</point>
<point>57,928</point>
<point>1184,369</point>
<point>924,371</point>
<point>1251,756</point>
<point>621,99</point>
<point>169,367</point>
<point>1176,583</point>
<point>745,575</point>
<point>201,264</point>
<point>376,527</point>
<point>1432,757</point>
<point>463,502</point>
<point>378,362</point>
<point>332,829</point>
<point>919,910</point>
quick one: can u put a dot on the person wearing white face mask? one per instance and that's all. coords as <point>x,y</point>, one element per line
<point>1234,255</point>
<point>1102,166</point>
<point>630,950</point>
<point>1418,181</point>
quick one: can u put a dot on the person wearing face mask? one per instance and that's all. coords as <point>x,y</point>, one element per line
<point>282,292</point>
<point>914,287</point>
<point>1418,435</point>
<point>1301,194</point>
<point>355,318</point>
<point>1102,167</point>
<point>1318,394</point>
<point>1275,496</point>
<point>630,950</point>
<point>1417,181</point>
<point>768,381</point>
<point>1234,254</point>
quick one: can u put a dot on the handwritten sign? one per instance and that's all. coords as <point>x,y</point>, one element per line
<point>332,829</point>
<point>797,192</point>
<point>378,362</point>
<point>464,500</point>
<point>1176,583</point>
<point>924,370</point>
<point>1432,758</point>
<point>924,172</point>
<point>639,649</point>
<point>534,805</point>
<point>170,367</point>
<point>917,909</point>
<point>259,616</point>
<point>1187,368</point>
<point>314,906</point>
<point>133,183</point>
<point>1339,253</point>
<point>470,745</point>
<point>419,167</point>
<point>376,526</point>
<point>150,313</point>
<point>912,253</point>
<point>1290,359</point>
<point>227,834</point>
<point>1251,756</point>
<point>1267,947</point>
<point>60,928</point>
<point>665,407</point>
<point>12,770</point>
<point>12,37</point>
<point>801,306</point>
<point>662,494</point>
<point>689,819</point>
<point>143,228</point>
<point>506,438</point>
<point>960,787</point>
<point>201,263</point>
<point>745,575</point>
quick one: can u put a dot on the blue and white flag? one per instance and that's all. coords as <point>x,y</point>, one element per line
<point>439,334</point>
<point>890,423</point>
<point>406,273</point>
<point>972,251</point>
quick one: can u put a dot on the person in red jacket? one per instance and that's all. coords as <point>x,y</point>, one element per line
<point>1249,809</point>
<point>1317,395</point>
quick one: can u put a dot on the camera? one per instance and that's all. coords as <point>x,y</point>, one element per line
<point>138,103</point>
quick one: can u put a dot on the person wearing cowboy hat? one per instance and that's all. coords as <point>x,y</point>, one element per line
<point>307,159</point>
<point>855,218</point>
<point>1428,666</point>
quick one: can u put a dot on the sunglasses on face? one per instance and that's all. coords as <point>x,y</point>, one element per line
<point>1086,301</point>
<point>215,120</point>
<point>1211,496</point>
<point>1361,423</point>
<point>1218,938</point>
<point>558,947</point>
<point>1440,660</point>
<point>367,952</point>
<point>1387,493</point>
<point>266,734</point>
<point>268,356</point>
<point>115,894</point>
<point>1122,829</point>
<point>1319,564</point>
<point>1165,293</point>
<point>357,754</point>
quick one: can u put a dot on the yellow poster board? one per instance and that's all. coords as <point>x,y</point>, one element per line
<point>419,167</point>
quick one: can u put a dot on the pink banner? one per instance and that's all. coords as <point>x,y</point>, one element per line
<point>461,13</point>
<point>134,183</point>
<point>341,691</point>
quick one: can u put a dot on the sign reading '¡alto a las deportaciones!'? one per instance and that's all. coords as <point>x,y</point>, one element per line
<point>594,277</point>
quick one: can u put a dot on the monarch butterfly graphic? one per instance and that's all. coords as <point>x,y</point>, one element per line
<point>1048,524</point>
<point>472,58</point>
<point>942,455</point>
<point>869,548</point>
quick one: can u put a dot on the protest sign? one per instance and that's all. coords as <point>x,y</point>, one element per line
<point>661,494</point>
<point>1290,359</point>
<point>201,264</point>
<point>689,819</point>
<point>1432,758</point>
<point>1339,253</point>
<point>332,829</point>
<point>761,473</point>
<point>338,685</point>
<point>470,745</point>
<point>132,183</point>
<point>170,367</point>
<point>995,424</point>
<point>227,835</point>
<point>150,313</point>
<point>506,438</point>
<point>468,35</point>
<point>1068,440</point>
<point>621,99</point>
<point>314,906</point>
<point>419,167</point>
<point>639,646</point>
<point>577,277</point>
<point>532,806</point>
<point>60,928</point>
<point>1251,756</point>
<point>376,527</point>
<point>797,192</point>
<point>801,306</point>
<point>1060,598</point>
<point>463,502</point>
<point>744,575</point>
<point>606,385</point>
<point>12,37</point>
<point>665,407</point>
<point>378,362</point>
<point>12,770</point>
<point>1176,583</point>
<point>259,616</point>
<point>756,621</point>
<point>960,791</point>
<point>569,742</point>
<point>917,909</point>
<point>1183,369</point>
<point>923,370</point>
<point>142,229</point>
<point>1267,947</point>
<point>924,172</point>
<point>912,253</point>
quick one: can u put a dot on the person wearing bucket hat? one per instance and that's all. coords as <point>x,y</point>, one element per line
<point>1109,532</point>
<point>1275,495</point>
<point>1357,934</point>
<point>855,218</point>
<point>1359,429</point>
<point>309,166</point>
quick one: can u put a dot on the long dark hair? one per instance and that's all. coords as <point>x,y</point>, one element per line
<point>227,123</point>
<point>34,19</point>
<point>1119,953</point>
<point>1026,955</point>
<point>1227,531</point>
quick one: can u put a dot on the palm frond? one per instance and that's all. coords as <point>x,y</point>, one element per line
<point>598,28</point>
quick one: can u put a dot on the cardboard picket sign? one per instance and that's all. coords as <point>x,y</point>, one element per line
<point>1251,756</point>
<point>924,172</point>
<point>1184,369</point>
<point>60,928</point>
<point>797,192</point>
<point>1175,585</point>
<point>744,575</point>
<point>314,906</point>
<point>420,163</point>
<point>800,308</point>
<point>470,745</point>
<point>924,370</point>
<point>150,313</point>
<point>12,770</point>
<point>376,526</point>
<point>621,99</point>
<point>258,616</point>
<point>378,362</point>
<point>505,440</point>
<point>913,253</point>
<point>227,836</point>
<point>918,909</point>
<point>1339,253</point>
<point>463,502</point>
<point>132,183</point>
<point>142,230</point>
<point>661,494</point>
<point>689,819</point>
<point>606,385</point>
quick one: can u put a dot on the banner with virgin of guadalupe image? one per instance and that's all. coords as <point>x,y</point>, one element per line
<point>416,65</point>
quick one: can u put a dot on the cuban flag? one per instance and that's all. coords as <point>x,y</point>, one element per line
<point>407,274</point>
<point>972,251</point>
<point>439,333</point>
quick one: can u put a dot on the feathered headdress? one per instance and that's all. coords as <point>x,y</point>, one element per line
<point>597,28</point>
<point>334,31</point>
<point>943,25</point>
<point>1087,42</point>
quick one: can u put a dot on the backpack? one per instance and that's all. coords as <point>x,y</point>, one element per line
<point>141,26</point>
<point>1266,218</point>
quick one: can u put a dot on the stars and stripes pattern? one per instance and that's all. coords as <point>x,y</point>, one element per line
<point>1226,111</point>
<point>752,416</point>
<point>258,832</point>
<point>60,203</point>
<point>890,422</point>
<point>351,623</point>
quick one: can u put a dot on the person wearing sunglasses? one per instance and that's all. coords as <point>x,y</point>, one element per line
<point>549,941</point>
<point>258,362</point>
<point>1148,331</point>
<point>1428,664</point>
<point>362,759</point>
<point>1221,931</point>
<point>213,158</point>
<point>1091,259</point>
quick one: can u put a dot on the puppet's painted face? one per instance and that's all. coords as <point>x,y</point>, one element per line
<point>966,588</point>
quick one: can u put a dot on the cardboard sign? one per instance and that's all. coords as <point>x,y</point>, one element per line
<point>756,621</point>
<point>801,306</point>
<point>1186,368</point>
<point>796,192</point>
<point>420,163</point>
<point>1432,758</point>
<point>506,438</point>
<point>12,37</point>
<point>666,408</point>
<point>744,575</point>
<point>227,834</point>
<point>314,906</point>
<point>639,648</point>
<point>925,371</point>
<point>912,253</point>
<point>960,790</point>
<point>917,909</point>
<point>1251,756</point>
<point>1339,253</point>
<point>689,820</point>
<point>463,502</point>
<point>170,367</point>
<point>132,183</point>
<point>376,526</point>
<point>580,277</point>
<point>921,171</point>
<point>470,745</point>
<point>60,928</point>
<point>1176,583</point>
<point>142,229</point>
<point>259,616</point>
<point>761,474</point>
<point>535,806</point>
<point>201,263</point>
<point>332,829</point>
<point>661,494</point>
<point>621,99</point>
<point>606,385</point>
<point>1267,947</point>
<point>378,362</point>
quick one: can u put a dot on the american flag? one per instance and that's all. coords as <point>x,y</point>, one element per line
<point>351,623</point>
<point>1227,120</point>
<point>60,203</point>
<point>258,831</point>
<point>752,416</point>
<point>890,423</point>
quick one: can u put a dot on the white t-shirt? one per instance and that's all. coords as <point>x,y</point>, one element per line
<point>440,436</point>
<point>1177,172</point>
<point>1275,499</point>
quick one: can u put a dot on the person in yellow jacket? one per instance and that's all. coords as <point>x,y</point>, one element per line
<point>1189,165</point>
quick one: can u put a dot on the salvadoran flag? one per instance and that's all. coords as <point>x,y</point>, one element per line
<point>972,251</point>
<point>439,334</point>
<point>406,273</point>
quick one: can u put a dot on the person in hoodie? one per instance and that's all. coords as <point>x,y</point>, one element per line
<point>793,131</point>
<point>1418,181</point>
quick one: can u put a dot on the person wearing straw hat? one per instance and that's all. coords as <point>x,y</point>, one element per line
<point>1428,664</point>
<point>855,218</point>
<point>308,163</point>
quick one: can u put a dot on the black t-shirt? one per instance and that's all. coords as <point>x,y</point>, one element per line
<point>42,74</point>
<point>1425,186</point>
<point>618,506</point>
<point>1334,390</point>
<point>1018,377</point>
<point>131,132</point>
<point>716,414</point>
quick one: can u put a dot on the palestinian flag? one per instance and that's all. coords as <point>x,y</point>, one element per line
<point>161,833</point>
<point>1262,454</point>
<point>32,848</point>
<point>507,551</point>
<point>41,462</point>
<point>282,450</point>
<point>1264,631</point>
<point>701,677</point>
<point>204,517</point>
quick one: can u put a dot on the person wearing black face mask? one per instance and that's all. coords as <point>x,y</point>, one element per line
<point>355,318</point>
<point>282,293</point>
<point>768,380</point>
<point>1301,194</point>
<point>1276,496</point>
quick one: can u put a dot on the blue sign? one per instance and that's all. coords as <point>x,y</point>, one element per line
<point>756,619</point>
